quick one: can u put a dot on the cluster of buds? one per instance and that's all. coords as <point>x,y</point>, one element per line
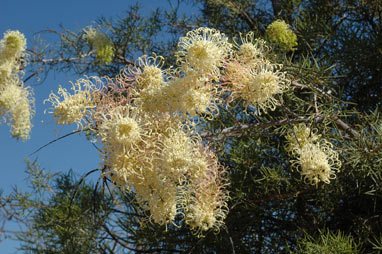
<point>281,34</point>
<point>101,44</point>
<point>316,159</point>
<point>16,102</point>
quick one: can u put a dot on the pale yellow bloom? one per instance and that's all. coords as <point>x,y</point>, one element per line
<point>12,49</point>
<point>300,136</point>
<point>177,153</point>
<point>6,68</point>
<point>251,50</point>
<point>258,86</point>
<point>120,126</point>
<point>22,115</point>
<point>317,161</point>
<point>17,100</point>
<point>10,95</point>
<point>190,94</point>
<point>12,45</point>
<point>14,98</point>
<point>148,71</point>
<point>72,108</point>
<point>204,50</point>
<point>152,99</point>
<point>165,167</point>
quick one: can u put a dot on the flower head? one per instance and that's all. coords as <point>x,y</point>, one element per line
<point>13,45</point>
<point>258,86</point>
<point>73,108</point>
<point>148,71</point>
<point>190,94</point>
<point>152,99</point>
<point>300,136</point>
<point>316,159</point>
<point>251,49</point>
<point>204,50</point>
<point>318,163</point>
<point>206,196</point>
<point>17,100</point>
<point>120,126</point>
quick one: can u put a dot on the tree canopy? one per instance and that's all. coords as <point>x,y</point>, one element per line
<point>253,127</point>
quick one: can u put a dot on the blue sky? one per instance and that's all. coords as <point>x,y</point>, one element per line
<point>73,152</point>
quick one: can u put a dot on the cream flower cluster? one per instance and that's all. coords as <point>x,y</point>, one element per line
<point>145,121</point>
<point>73,108</point>
<point>258,84</point>
<point>190,88</point>
<point>316,159</point>
<point>253,77</point>
<point>203,50</point>
<point>16,101</point>
<point>153,156</point>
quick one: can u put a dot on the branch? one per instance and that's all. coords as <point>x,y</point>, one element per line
<point>123,244</point>
<point>125,60</point>
<point>280,196</point>
<point>230,130</point>
<point>342,125</point>
<point>57,139</point>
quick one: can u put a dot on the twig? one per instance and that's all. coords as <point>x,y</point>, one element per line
<point>346,127</point>
<point>123,244</point>
<point>230,130</point>
<point>77,188</point>
<point>230,240</point>
<point>57,139</point>
<point>280,196</point>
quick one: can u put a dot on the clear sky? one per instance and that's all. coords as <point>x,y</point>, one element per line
<point>73,152</point>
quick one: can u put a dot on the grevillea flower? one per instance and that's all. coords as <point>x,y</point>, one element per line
<point>142,166</point>
<point>148,71</point>
<point>318,162</point>
<point>300,136</point>
<point>12,49</point>
<point>251,49</point>
<point>257,86</point>
<point>120,126</point>
<point>72,108</point>
<point>151,99</point>
<point>206,196</point>
<point>12,46</point>
<point>280,33</point>
<point>203,50</point>
<point>191,94</point>
<point>152,155</point>
<point>316,159</point>
<point>177,153</point>
<point>18,101</point>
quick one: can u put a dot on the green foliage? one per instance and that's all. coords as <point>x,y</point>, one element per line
<point>60,215</point>
<point>328,243</point>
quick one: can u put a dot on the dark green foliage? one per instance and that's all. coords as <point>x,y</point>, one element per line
<point>62,215</point>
